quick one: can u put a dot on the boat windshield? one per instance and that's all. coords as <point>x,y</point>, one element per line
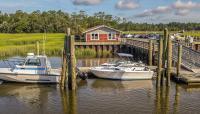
<point>33,62</point>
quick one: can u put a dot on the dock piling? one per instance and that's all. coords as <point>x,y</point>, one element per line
<point>164,59</point>
<point>179,60</point>
<point>71,64</point>
<point>165,41</point>
<point>169,60</point>
<point>158,80</point>
<point>64,72</point>
<point>150,52</point>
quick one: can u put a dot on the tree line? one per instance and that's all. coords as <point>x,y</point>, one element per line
<point>58,22</point>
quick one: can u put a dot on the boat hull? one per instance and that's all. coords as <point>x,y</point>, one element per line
<point>29,78</point>
<point>123,75</point>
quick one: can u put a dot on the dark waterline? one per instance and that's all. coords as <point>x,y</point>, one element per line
<point>97,96</point>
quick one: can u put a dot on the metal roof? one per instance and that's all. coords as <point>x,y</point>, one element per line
<point>100,26</point>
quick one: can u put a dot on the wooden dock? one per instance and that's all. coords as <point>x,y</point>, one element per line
<point>162,53</point>
<point>186,76</point>
<point>189,78</point>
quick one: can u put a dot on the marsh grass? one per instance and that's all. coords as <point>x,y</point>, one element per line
<point>21,44</point>
<point>192,33</point>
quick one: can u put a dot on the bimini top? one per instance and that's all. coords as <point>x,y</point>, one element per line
<point>124,55</point>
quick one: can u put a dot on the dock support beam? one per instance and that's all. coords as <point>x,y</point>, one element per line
<point>179,60</point>
<point>158,80</point>
<point>150,52</point>
<point>169,61</point>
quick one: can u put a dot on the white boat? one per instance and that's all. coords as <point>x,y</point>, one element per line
<point>123,69</point>
<point>32,69</point>
<point>123,73</point>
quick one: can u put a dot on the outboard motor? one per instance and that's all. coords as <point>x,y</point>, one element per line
<point>82,75</point>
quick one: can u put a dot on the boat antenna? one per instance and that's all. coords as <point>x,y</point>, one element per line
<point>44,39</point>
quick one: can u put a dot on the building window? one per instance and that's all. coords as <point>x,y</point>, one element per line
<point>111,36</point>
<point>94,36</point>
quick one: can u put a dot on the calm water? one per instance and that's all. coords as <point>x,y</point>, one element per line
<point>97,96</point>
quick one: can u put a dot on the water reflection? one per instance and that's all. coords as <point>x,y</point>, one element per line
<point>102,85</point>
<point>26,98</point>
<point>163,100</point>
<point>99,96</point>
<point>162,104</point>
<point>69,101</point>
<point>176,100</point>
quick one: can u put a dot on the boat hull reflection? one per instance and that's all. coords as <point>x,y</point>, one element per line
<point>102,85</point>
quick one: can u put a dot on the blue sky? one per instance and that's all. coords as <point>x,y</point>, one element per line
<point>150,11</point>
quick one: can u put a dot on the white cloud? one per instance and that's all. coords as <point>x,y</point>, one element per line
<point>158,10</point>
<point>184,8</point>
<point>126,4</point>
<point>86,2</point>
<point>179,8</point>
<point>182,12</point>
<point>145,13</point>
<point>192,17</point>
<point>161,9</point>
<point>185,5</point>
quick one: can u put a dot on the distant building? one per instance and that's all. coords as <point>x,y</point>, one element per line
<point>102,33</point>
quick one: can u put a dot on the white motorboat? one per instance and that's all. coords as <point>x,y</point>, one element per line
<point>32,69</point>
<point>123,73</point>
<point>123,69</point>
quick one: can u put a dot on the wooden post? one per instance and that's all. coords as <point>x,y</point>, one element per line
<point>150,52</point>
<point>159,62</point>
<point>179,60</point>
<point>72,65</point>
<point>169,61</point>
<point>64,72</point>
<point>153,54</point>
<point>65,61</point>
<point>38,48</point>
<point>165,44</point>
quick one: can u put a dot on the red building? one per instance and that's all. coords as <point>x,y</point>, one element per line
<point>102,33</point>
